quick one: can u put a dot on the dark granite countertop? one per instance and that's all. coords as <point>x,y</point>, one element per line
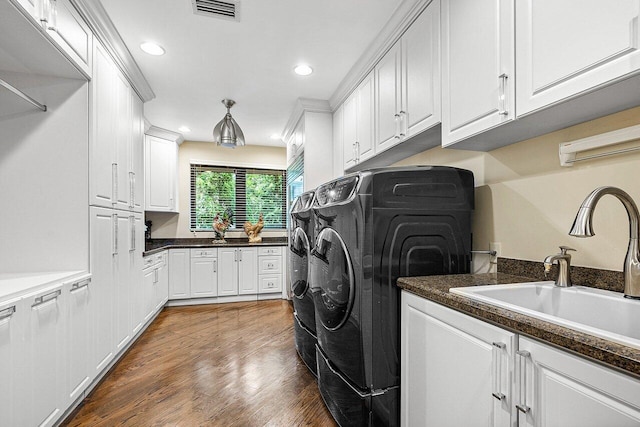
<point>157,245</point>
<point>436,288</point>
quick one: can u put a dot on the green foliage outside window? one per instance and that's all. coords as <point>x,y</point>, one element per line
<point>248,193</point>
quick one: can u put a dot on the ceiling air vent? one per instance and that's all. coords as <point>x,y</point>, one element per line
<point>218,9</point>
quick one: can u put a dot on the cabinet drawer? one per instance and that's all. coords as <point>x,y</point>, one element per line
<point>270,283</point>
<point>204,253</point>
<point>270,251</point>
<point>270,265</point>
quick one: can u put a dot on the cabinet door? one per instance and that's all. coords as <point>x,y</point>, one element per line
<point>160,158</point>
<point>560,55</point>
<point>247,271</point>
<point>204,277</point>
<point>338,142</point>
<point>72,35</point>
<point>148,293</point>
<point>228,271</point>
<point>31,7</point>
<point>350,130</point>
<point>13,394</point>
<point>122,282</point>
<point>102,157</point>
<point>365,119</point>
<point>388,100</point>
<point>45,342</point>
<point>179,274</point>
<point>136,265</point>
<point>161,293</point>
<point>123,143</point>
<point>102,287</point>
<point>421,72</point>
<point>477,66</point>
<point>455,369</point>
<point>552,384</point>
<point>79,333</point>
<point>136,170</point>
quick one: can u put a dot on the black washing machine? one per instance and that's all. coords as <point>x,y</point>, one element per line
<point>300,244</point>
<point>371,228</point>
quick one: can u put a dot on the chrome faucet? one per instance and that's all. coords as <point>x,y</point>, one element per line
<point>582,227</point>
<point>564,263</point>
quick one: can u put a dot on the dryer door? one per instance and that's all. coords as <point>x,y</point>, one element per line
<point>299,263</point>
<point>332,280</point>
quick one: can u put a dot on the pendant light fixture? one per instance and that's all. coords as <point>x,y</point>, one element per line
<point>227,133</point>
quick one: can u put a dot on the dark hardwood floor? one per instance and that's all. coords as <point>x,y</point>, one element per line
<point>210,365</point>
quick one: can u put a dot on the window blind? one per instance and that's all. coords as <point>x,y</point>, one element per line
<point>246,193</point>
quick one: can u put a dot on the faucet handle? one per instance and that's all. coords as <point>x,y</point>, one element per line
<point>564,249</point>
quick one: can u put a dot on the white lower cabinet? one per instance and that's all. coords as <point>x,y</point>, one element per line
<point>179,274</point>
<point>557,388</point>
<point>13,394</point>
<point>161,290</point>
<point>45,346</point>
<point>204,272</point>
<point>458,370</point>
<point>154,285</point>
<point>238,271</point>
<point>79,333</point>
<point>455,369</point>
<point>270,270</point>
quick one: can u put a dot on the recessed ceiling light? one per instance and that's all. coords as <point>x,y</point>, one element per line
<point>152,48</point>
<point>275,136</point>
<point>303,70</point>
<point>184,129</point>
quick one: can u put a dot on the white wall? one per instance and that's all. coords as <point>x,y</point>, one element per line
<point>167,226</point>
<point>527,202</point>
<point>44,176</point>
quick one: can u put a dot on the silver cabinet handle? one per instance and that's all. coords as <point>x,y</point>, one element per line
<point>115,234</point>
<point>522,378</point>
<point>355,153</point>
<point>240,255</point>
<point>235,255</point>
<point>496,351</point>
<point>132,180</point>
<point>46,298</point>
<point>155,276</point>
<point>7,312</point>
<point>402,124</point>
<point>114,183</point>
<point>215,265</point>
<point>503,94</point>
<point>80,285</point>
<point>132,222</point>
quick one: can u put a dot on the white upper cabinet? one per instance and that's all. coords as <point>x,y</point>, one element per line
<point>421,73</point>
<point>408,82</point>
<point>115,154</point>
<point>388,97</point>
<point>136,169</point>
<point>161,164</point>
<point>477,66</point>
<point>349,123</point>
<point>71,34</point>
<point>358,123</point>
<point>569,47</point>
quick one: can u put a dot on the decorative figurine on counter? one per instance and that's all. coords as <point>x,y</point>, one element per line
<point>221,223</point>
<point>147,230</point>
<point>253,231</point>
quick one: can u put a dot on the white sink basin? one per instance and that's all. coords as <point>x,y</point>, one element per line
<point>598,312</point>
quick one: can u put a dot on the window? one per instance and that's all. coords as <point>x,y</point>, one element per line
<point>247,192</point>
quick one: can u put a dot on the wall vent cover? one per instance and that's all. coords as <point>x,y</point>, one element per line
<point>228,9</point>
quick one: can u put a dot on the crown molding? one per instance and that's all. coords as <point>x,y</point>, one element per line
<point>165,134</point>
<point>401,19</point>
<point>304,105</point>
<point>96,16</point>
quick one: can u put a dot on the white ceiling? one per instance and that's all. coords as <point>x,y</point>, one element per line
<point>251,61</point>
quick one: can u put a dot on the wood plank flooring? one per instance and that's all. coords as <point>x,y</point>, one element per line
<point>210,365</point>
